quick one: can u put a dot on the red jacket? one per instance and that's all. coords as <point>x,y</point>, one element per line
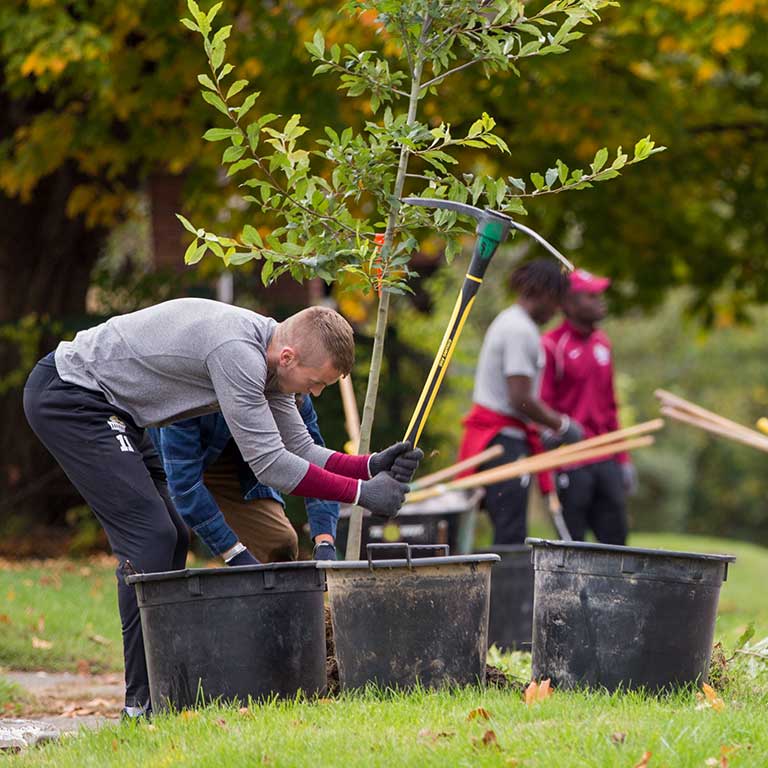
<point>578,379</point>
<point>482,424</point>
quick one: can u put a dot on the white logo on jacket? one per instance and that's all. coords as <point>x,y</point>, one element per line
<point>602,354</point>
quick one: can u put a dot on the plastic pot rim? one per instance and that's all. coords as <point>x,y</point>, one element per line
<point>232,569</point>
<point>416,562</point>
<point>617,549</point>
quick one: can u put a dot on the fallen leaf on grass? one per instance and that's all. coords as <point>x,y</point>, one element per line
<point>537,691</point>
<point>479,712</point>
<point>710,699</point>
<point>244,710</point>
<point>83,667</point>
<point>618,737</point>
<point>41,644</point>
<point>644,760</point>
<point>4,618</point>
<point>722,761</point>
<point>188,714</point>
<point>426,735</point>
<point>99,640</point>
<point>489,740</point>
<point>221,723</point>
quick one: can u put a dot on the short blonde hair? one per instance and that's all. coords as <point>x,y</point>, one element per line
<point>325,328</point>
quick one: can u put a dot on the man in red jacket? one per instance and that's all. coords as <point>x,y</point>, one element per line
<point>578,381</point>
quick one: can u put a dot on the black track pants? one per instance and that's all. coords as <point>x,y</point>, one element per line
<point>593,498</point>
<point>114,466</point>
<point>507,502</point>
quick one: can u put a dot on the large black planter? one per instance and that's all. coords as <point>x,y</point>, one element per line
<point>410,620</point>
<point>609,616</point>
<point>232,633</point>
<point>511,622</point>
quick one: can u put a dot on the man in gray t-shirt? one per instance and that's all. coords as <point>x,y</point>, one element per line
<point>506,407</point>
<point>91,402</point>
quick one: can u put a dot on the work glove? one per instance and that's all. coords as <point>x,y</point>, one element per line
<point>570,432</point>
<point>243,558</point>
<point>383,460</point>
<point>406,464</point>
<point>382,495</point>
<point>629,478</point>
<point>324,550</point>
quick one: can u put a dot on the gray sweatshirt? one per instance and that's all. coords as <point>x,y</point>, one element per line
<point>188,357</point>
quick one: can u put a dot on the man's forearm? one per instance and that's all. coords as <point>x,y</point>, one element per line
<point>540,412</point>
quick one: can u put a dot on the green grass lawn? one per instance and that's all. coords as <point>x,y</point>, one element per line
<point>567,730</point>
<point>60,615</point>
<point>434,729</point>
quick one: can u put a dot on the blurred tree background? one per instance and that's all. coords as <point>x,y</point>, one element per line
<point>100,143</point>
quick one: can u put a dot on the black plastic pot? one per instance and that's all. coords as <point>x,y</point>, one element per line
<point>410,620</point>
<point>510,626</point>
<point>610,616</point>
<point>232,633</point>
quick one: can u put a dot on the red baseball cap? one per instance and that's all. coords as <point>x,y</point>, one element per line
<point>585,282</point>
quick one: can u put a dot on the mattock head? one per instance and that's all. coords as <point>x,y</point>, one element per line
<point>484,216</point>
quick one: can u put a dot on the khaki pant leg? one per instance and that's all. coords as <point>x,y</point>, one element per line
<point>260,524</point>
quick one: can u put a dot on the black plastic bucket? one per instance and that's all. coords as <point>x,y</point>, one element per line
<point>613,616</point>
<point>510,626</point>
<point>232,633</point>
<point>410,620</point>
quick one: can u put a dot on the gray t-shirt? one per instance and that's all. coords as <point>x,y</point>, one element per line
<point>188,357</point>
<point>512,347</point>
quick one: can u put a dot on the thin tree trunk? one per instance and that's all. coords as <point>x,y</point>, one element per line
<point>356,518</point>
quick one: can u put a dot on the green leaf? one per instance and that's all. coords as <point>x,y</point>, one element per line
<point>538,180</point>
<point>562,171</point>
<point>213,11</point>
<point>245,107</point>
<point>600,159</point>
<point>241,257</point>
<point>609,173</point>
<point>251,236</point>
<point>551,176</point>
<point>232,153</point>
<point>235,88</point>
<point>190,25</point>
<point>191,248</point>
<point>197,255</point>
<point>207,82</point>
<point>266,272</point>
<point>225,70</point>
<point>476,128</point>
<point>215,100</point>
<point>319,41</point>
<point>187,224</point>
<point>519,183</point>
<point>219,134</point>
<point>240,165</point>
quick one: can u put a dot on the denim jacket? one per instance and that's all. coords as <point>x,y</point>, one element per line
<point>188,447</point>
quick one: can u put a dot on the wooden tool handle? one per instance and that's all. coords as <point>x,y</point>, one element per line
<point>456,469</point>
<point>540,463</point>
<point>681,404</point>
<point>754,441</point>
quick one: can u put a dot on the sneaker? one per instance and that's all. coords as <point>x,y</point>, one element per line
<point>134,714</point>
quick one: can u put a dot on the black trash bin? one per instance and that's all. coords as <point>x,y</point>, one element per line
<point>410,620</point>
<point>610,616</point>
<point>253,631</point>
<point>511,622</point>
